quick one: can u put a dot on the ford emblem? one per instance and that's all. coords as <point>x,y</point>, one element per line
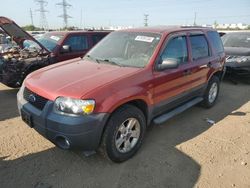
<point>32,98</point>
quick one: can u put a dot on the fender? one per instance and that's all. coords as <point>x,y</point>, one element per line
<point>112,102</point>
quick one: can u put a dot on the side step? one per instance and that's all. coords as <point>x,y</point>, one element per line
<point>161,119</point>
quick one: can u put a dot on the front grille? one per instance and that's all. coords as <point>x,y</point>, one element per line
<point>34,99</point>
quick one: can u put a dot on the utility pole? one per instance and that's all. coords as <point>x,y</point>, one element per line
<point>195,19</point>
<point>31,17</point>
<point>43,21</point>
<point>65,5</point>
<point>146,20</point>
<point>81,20</point>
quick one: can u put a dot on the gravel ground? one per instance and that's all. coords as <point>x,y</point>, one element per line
<point>184,152</point>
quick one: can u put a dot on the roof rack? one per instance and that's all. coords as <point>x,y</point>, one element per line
<point>193,26</point>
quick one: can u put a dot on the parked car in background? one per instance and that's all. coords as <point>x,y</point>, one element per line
<point>237,48</point>
<point>32,53</point>
<point>5,42</point>
<point>132,78</point>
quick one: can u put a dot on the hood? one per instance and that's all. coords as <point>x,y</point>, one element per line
<point>75,78</point>
<point>237,51</point>
<point>16,32</point>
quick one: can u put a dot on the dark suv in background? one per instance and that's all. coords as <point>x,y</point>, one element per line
<point>131,79</point>
<point>29,53</point>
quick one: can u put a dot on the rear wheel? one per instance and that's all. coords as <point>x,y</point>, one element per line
<point>124,133</point>
<point>212,92</point>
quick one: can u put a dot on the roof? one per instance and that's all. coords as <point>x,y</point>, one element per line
<point>80,31</point>
<point>167,29</point>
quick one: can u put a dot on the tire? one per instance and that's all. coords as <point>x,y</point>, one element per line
<point>117,136</point>
<point>211,94</point>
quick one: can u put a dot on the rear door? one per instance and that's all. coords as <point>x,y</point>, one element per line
<point>78,44</point>
<point>171,86</point>
<point>200,59</point>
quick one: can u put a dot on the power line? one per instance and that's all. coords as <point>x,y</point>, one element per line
<point>42,10</point>
<point>65,5</point>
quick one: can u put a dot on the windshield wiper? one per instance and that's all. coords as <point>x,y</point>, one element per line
<point>92,58</point>
<point>110,62</point>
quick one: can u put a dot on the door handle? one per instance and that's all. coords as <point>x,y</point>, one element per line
<point>206,66</point>
<point>209,64</point>
<point>187,72</point>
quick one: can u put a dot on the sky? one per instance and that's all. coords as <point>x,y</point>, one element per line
<point>98,13</point>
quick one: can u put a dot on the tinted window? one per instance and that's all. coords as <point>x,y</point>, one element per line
<point>215,40</point>
<point>199,46</point>
<point>176,49</point>
<point>97,38</point>
<point>77,43</point>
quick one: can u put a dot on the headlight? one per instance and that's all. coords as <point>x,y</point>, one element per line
<point>239,59</point>
<point>71,106</point>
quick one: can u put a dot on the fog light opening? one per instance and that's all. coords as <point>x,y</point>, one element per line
<point>62,142</point>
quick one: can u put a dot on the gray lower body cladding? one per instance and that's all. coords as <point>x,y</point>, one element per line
<point>67,132</point>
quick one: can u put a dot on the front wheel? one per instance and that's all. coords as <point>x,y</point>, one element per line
<point>212,92</point>
<point>124,133</point>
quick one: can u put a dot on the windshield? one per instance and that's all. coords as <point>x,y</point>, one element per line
<point>49,41</point>
<point>236,40</point>
<point>132,49</point>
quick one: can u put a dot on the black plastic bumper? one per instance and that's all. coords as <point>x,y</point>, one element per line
<point>243,72</point>
<point>67,132</point>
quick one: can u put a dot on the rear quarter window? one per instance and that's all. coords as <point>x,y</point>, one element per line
<point>215,41</point>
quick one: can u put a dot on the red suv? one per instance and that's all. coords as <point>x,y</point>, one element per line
<point>30,54</point>
<point>131,79</point>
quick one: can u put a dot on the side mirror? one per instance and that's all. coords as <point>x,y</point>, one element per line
<point>65,49</point>
<point>168,63</point>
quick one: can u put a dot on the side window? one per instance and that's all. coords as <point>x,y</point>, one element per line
<point>97,38</point>
<point>199,46</point>
<point>176,49</point>
<point>215,40</point>
<point>77,43</point>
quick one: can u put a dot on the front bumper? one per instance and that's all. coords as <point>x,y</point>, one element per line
<point>243,72</point>
<point>67,132</point>
<point>238,69</point>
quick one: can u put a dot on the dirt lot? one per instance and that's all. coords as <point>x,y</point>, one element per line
<point>185,152</point>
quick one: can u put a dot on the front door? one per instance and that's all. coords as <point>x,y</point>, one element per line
<point>78,45</point>
<point>171,85</point>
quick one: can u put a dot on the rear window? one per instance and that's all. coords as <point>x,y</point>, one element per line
<point>199,46</point>
<point>236,40</point>
<point>215,40</point>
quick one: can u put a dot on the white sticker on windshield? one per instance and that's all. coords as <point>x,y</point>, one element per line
<point>144,38</point>
<point>55,38</point>
<point>248,38</point>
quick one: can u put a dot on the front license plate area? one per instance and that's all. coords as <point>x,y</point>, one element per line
<point>26,117</point>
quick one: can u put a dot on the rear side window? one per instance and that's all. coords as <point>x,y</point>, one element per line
<point>215,40</point>
<point>77,43</point>
<point>97,38</point>
<point>199,46</point>
<point>176,49</point>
